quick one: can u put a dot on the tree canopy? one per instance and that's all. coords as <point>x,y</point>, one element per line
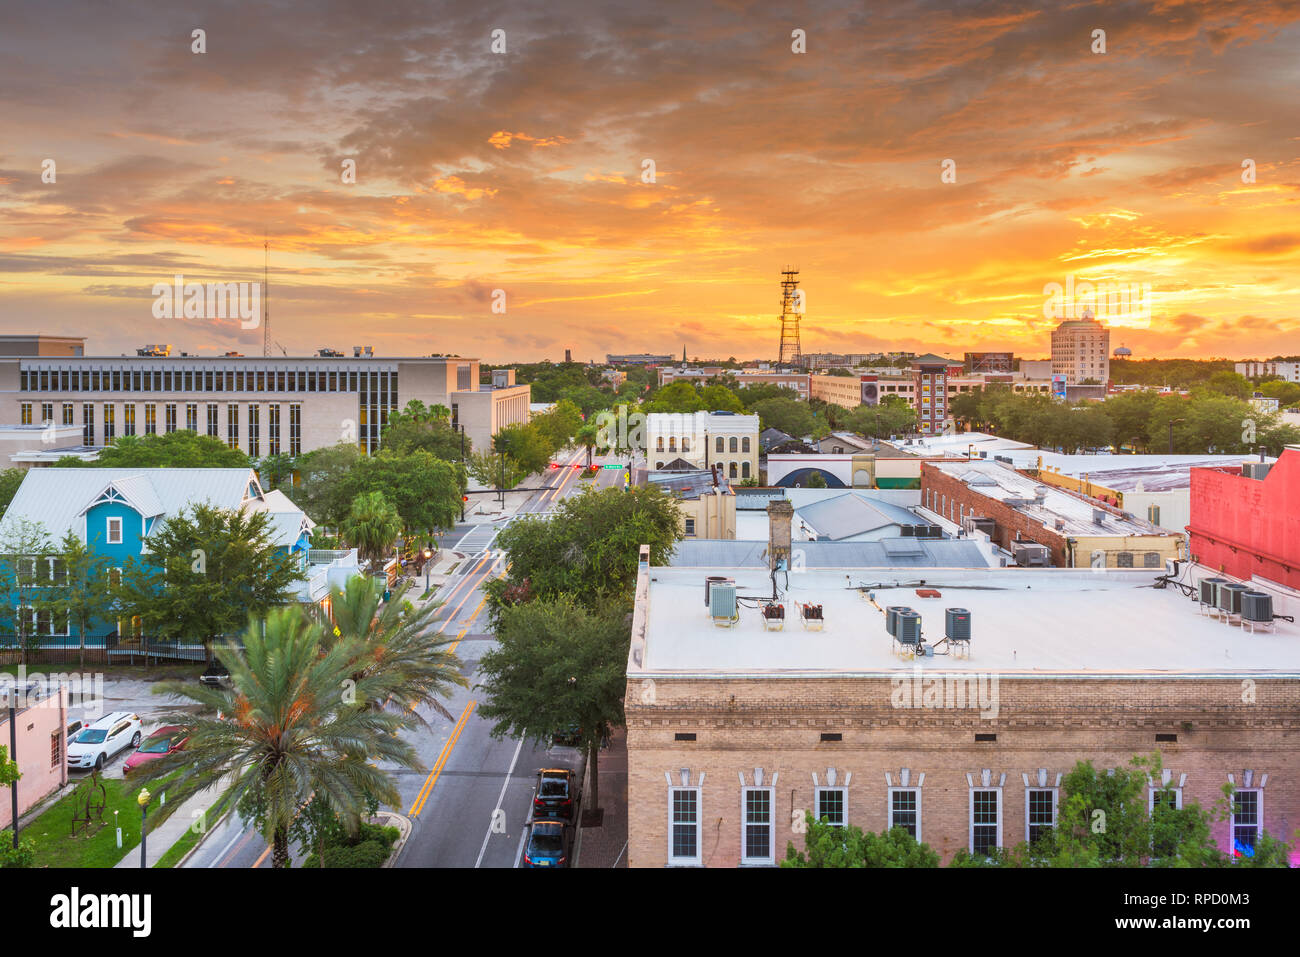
<point>179,450</point>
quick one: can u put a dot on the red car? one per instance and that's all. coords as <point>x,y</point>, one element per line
<point>163,741</point>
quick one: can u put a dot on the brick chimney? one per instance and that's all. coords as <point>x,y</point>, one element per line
<point>780,518</point>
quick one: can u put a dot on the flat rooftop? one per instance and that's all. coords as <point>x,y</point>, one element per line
<point>1024,623</point>
<point>1015,489</point>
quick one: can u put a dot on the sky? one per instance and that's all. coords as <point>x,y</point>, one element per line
<point>633,177</point>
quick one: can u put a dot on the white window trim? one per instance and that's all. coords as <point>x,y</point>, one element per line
<point>817,801</point>
<point>970,816</point>
<point>674,861</point>
<point>1056,802</point>
<point>771,828</point>
<point>1151,798</point>
<point>889,808</point>
<point>109,530</point>
<point>1259,816</point>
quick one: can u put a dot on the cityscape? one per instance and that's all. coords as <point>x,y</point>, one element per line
<point>483,438</point>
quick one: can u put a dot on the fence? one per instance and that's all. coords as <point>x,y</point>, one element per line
<point>103,651</point>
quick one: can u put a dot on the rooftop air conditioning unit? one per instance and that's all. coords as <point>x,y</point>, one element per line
<point>1230,597</point>
<point>1098,516</point>
<point>1256,470</point>
<point>956,622</point>
<point>1257,607</point>
<point>891,617</point>
<point>1208,589</point>
<point>722,600</point>
<point>908,627</point>
<point>712,580</point>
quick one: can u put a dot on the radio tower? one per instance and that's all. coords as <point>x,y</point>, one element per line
<point>791,310</point>
<point>266,298</point>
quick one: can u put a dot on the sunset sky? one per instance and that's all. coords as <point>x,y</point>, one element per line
<point>522,171</point>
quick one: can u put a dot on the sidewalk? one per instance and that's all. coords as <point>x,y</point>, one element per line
<point>606,846</point>
<point>159,840</point>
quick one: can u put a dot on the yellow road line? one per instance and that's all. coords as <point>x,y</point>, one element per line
<point>259,861</point>
<point>432,779</point>
<point>452,617</point>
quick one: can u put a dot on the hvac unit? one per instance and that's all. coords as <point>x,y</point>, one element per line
<point>1098,516</point>
<point>891,618</point>
<point>1256,470</point>
<point>1230,597</point>
<point>956,624</point>
<point>722,601</point>
<point>1029,554</point>
<point>712,580</point>
<point>1208,589</point>
<point>1256,609</point>
<point>908,627</point>
<point>907,531</point>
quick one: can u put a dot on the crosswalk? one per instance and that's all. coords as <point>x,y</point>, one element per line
<point>477,539</point>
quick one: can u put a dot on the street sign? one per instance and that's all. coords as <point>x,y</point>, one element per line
<point>611,466</point>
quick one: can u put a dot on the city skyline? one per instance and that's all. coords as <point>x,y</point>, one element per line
<point>525,171</point>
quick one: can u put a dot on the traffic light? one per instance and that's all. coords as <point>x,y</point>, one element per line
<point>464,498</point>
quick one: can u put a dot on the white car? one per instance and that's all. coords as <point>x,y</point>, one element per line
<point>103,739</point>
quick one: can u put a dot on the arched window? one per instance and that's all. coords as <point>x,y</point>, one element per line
<point>744,444</point>
<point>659,465</point>
<point>733,468</point>
<point>719,446</point>
<point>672,443</point>
<point>686,443</point>
<point>659,446</point>
<point>744,468</point>
<point>735,446</point>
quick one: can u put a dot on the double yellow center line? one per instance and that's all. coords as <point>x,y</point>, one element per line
<point>432,779</point>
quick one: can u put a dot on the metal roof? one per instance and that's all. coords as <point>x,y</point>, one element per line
<point>908,553</point>
<point>58,497</point>
<point>847,515</point>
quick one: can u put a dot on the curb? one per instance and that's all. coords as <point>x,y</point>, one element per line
<point>190,853</point>
<point>403,824</point>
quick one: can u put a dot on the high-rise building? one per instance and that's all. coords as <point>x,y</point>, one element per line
<point>1081,350</point>
<point>930,384</point>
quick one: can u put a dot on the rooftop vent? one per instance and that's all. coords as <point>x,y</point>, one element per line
<point>1098,516</point>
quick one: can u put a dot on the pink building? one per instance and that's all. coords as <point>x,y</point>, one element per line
<point>1248,526</point>
<point>42,752</point>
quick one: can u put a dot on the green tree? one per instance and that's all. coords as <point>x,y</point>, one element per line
<point>207,570</point>
<point>178,450</point>
<point>816,480</point>
<point>827,845</point>
<point>1286,393</point>
<point>397,645</point>
<point>719,398</point>
<point>559,425</point>
<point>10,479</point>
<point>789,415</point>
<point>81,589</point>
<point>588,437</point>
<point>293,723</point>
<point>525,445</point>
<point>275,471</point>
<point>588,548</point>
<point>425,490</point>
<point>323,491</point>
<point>24,554</point>
<point>495,471</point>
<point>1230,384</point>
<point>674,397</point>
<point>426,428</point>
<point>556,664</point>
<point>372,526</point>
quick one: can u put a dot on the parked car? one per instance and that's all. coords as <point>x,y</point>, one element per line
<point>569,736</point>
<point>103,739</point>
<point>556,795</point>
<point>74,726</point>
<point>215,674</point>
<point>548,844</point>
<point>165,740</point>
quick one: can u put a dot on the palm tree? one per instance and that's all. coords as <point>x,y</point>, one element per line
<point>372,525</point>
<point>588,436</point>
<point>295,726</point>
<point>397,650</point>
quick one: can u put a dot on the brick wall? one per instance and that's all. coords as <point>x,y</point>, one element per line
<point>954,498</point>
<point>1223,727</point>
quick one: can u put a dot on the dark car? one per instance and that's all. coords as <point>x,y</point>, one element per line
<point>556,795</point>
<point>215,674</point>
<point>548,843</point>
<point>569,736</point>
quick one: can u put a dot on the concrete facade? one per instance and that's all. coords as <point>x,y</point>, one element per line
<point>264,406</point>
<point>1081,350</point>
<point>704,439</point>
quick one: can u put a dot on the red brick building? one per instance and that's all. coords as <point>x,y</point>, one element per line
<point>1249,527</point>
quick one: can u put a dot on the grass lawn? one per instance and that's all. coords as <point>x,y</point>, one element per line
<point>96,845</point>
<point>180,848</point>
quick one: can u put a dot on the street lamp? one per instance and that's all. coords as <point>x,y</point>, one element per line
<point>1171,434</point>
<point>428,565</point>
<point>142,799</point>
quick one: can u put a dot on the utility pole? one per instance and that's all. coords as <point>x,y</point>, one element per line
<point>266,298</point>
<point>13,756</point>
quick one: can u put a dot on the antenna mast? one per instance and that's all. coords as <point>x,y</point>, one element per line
<point>266,298</point>
<point>791,310</point>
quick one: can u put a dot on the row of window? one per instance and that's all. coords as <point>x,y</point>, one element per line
<point>904,809</point>
<point>170,422</point>
<point>720,445</point>
<point>212,380</point>
<point>743,472</point>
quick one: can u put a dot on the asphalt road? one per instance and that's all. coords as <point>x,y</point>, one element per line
<point>470,809</point>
